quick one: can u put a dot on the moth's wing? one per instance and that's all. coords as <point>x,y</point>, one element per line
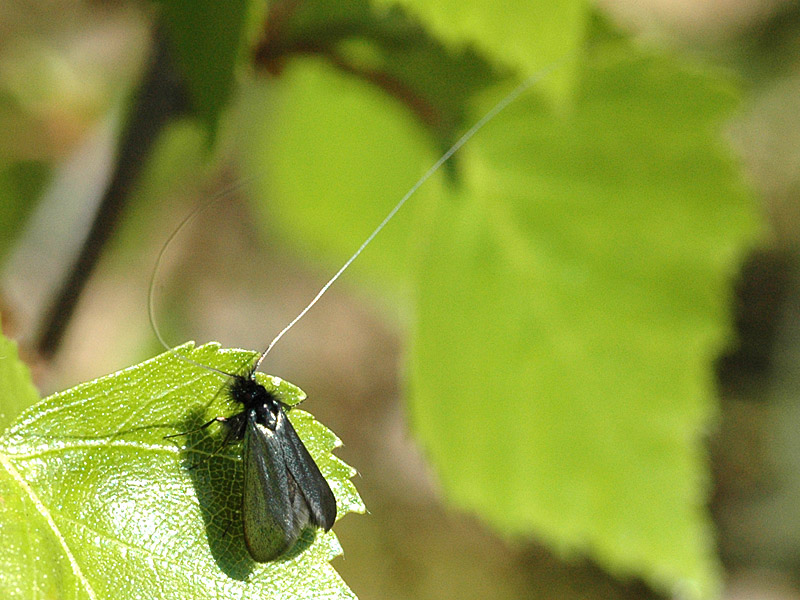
<point>315,489</point>
<point>270,513</point>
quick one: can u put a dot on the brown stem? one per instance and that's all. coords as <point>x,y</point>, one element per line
<point>160,98</point>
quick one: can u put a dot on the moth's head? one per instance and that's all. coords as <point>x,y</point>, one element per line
<point>247,391</point>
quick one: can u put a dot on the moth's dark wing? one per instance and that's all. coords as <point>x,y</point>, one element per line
<point>274,513</point>
<point>315,489</point>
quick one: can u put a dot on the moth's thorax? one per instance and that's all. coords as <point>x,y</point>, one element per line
<point>267,413</point>
<point>260,404</point>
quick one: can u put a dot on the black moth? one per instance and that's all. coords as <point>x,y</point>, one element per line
<point>284,492</point>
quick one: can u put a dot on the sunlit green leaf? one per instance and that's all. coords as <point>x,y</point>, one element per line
<point>16,389</point>
<point>528,36</point>
<point>339,156</point>
<point>98,504</point>
<point>571,304</point>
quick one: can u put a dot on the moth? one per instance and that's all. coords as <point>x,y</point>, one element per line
<point>284,493</point>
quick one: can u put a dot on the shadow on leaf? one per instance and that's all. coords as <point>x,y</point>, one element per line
<point>216,474</point>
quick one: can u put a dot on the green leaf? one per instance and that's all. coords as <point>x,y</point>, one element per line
<point>207,37</point>
<point>97,504</point>
<point>21,184</point>
<point>18,392</point>
<point>528,36</point>
<point>349,131</point>
<point>571,304</point>
<point>357,175</point>
<point>388,49</point>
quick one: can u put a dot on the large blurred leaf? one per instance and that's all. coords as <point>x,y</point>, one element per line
<point>528,36</point>
<point>207,37</point>
<point>341,138</point>
<point>339,154</point>
<point>21,183</point>
<point>571,303</point>
<point>388,49</point>
<point>97,504</point>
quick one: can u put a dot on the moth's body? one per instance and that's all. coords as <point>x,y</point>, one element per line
<point>284,491</point>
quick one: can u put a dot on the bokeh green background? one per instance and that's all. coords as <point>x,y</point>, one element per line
<point>564,370</point>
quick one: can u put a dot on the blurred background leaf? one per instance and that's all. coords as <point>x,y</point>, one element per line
<point>563,344</point>
<point>23,181</point>
<point>525,36</point>
<point>208,38</point>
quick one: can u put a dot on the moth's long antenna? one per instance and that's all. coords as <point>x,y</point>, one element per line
<point>495,110</point>
<point>152,289</point>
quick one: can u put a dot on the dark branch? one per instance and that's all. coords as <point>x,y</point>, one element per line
<point>160,98</point>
